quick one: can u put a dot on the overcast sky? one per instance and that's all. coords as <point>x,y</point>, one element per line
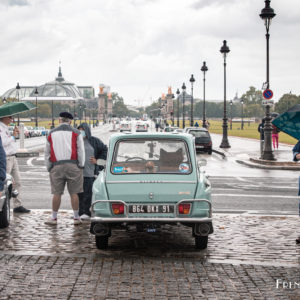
<point>140,47</point>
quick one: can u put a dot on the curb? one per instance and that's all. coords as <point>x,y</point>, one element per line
<point>268,166</point>
<point>27,154</point>
<point>219,152</point>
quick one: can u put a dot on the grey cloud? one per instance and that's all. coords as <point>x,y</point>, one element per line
<point>15,2</point>
<point>199,4</point>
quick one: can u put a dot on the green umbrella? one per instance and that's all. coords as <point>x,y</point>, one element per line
<point>14,108</point>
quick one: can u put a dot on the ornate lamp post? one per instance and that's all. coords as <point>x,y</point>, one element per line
<point>52,126</point>
<point>177,93</point>
<point>267,14</point>
<point>242,124</point>
<point>231,114</point>
<point>36,107</point>
<point>18,95</point>
<point>80,106</point>
<point>204,69</point>
<point>74,102</point>
<point>172,112</point>
<point>225,143</point>
<point>192,80</point>
<point>183,105</point>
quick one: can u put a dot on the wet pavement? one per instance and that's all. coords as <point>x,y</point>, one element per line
<point>247,256</point>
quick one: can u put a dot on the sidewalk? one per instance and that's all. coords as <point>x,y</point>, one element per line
<point>248,257</point>
<point>283,155</point>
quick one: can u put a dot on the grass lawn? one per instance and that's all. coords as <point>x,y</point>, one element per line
<point>249,131</point>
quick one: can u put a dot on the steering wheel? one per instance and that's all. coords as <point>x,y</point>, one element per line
<point>135,157</point>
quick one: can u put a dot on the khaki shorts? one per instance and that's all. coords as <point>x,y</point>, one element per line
<point>66,173</point>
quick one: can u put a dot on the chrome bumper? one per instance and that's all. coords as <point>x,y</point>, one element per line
<point>130,219</point>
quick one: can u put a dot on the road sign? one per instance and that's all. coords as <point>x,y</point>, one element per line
<point>268,94</point>
<point>267,102</point>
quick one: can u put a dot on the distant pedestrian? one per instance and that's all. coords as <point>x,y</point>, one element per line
<point>275,136</point>
<point>2,167</point>
<point>260,129</point>
<point>12,167</point>
<point>95,154</point>
<point>196,124</point>
<point>64,159</point>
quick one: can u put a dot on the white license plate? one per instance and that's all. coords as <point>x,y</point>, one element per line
<point>151,209</point>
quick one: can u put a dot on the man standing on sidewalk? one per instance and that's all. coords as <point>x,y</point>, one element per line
<point>296,157</point>
<point>2,167</point>
<point>64,158</point>
<point>12,167</point>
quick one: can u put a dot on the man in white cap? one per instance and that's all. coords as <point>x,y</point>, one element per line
<point>12,167</point>
<point>64,158</point>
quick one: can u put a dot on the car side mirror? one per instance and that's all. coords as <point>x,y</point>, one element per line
<point>202,163</point>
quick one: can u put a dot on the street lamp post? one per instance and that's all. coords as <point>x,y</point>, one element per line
<point>204,69</point>
<point>230,114</point>
<point>74,102</point>
<point>242,124</point>
<point>267,14</point>
<point>177,93</point>
<point>80,106</point>
<point>183,105</point>
<point>192,80</point>
<point>172,112</point>
<point>225,143</point>
<point>18,95</point>
<point>52,126</point>
<point>36,107</point>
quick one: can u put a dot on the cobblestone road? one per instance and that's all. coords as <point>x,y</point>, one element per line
<point>246,257</point>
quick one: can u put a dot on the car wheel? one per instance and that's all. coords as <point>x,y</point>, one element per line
<point>201,242</point>
<point>5,214</point>
<point>209,151</point>
<point>101,242</point>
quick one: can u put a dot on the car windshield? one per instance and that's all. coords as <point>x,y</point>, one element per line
<point>199,133</point>
<point>151,156</point>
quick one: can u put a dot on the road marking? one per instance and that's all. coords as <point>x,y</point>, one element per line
<point>29,161</point>
<point>256,196</point>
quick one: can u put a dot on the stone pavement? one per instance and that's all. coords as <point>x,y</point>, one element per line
<point>248,257</point>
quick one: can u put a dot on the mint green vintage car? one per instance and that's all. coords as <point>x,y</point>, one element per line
<point>150,180</point>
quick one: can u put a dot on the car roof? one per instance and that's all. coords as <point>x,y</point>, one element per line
<point>196,129</point>
<point>150,135</point>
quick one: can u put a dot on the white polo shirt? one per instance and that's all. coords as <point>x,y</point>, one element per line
<point>8,142</point>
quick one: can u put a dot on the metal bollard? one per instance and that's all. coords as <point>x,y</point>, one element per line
<point>21,130</point>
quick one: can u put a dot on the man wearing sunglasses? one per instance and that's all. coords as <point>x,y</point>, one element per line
<point>12,167</point>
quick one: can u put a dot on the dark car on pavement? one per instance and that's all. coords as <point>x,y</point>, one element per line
<point>203,140</point>
<point>7,193</point>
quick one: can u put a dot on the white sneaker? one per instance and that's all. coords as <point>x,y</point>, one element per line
<point>51,221</point>
<point>85,217</point>
<point>77,221</point>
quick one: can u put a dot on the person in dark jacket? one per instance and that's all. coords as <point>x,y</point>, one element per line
<point>296,157</point>
<point>95,153</point>
<point>2,167</point>
<point>260,129</point>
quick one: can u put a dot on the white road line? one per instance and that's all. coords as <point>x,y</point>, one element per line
<point>255,196</point>
<point>29,161</point>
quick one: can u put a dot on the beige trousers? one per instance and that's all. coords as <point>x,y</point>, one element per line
<point>12,168</point>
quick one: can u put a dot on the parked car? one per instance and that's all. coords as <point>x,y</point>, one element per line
<point>125,126</point>
<point>141,127</point>
<point>203,140</point>
<point>37,131</point>
<point>28,131</point>
<point>170,128</point>
<point>150,180</point>
<point>7,193</point>
<point>43,131</point>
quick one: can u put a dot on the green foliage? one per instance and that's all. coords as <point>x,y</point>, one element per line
<point>286,101</point>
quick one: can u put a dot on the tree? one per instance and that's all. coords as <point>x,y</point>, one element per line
<point>286,102</point>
